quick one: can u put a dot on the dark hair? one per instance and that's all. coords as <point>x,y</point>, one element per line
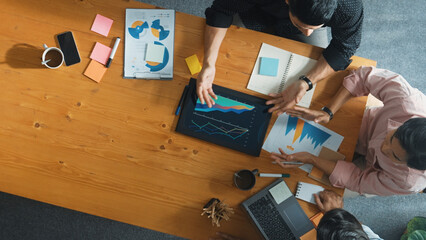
<point>313,12</point>
<point>412,136</point>
<point>339,224</point>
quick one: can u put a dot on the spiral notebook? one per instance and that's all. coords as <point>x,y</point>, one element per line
<point>290,67</point>
<point>306,191</point>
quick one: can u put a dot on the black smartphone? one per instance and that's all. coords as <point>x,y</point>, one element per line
<point>69,48</point>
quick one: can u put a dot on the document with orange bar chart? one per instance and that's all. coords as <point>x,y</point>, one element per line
<point>293,135</point>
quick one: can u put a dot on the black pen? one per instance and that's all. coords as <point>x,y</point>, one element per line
<point>111,56</point>
<point>185,90</point>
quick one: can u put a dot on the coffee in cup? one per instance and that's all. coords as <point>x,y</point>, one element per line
<point>245,179</point>
<point>52,57</point>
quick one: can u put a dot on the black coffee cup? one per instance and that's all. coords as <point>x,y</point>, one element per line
<point>245,179</point>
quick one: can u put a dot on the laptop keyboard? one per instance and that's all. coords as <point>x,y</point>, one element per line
<point>270,220</point>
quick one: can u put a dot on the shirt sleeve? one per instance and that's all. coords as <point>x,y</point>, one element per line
<point>381,83</point>
<point>221,12</point>
<point>347,175</point>
<point>371,235</point>
<point>346,28</point>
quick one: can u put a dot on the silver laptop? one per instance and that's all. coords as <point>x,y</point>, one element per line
<point>276,213</point>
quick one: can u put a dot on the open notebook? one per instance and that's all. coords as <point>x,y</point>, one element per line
<point>306,191</point>
<point>290,67</point>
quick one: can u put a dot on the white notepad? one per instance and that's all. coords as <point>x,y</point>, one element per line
<point>280,192</point>
<point>154,53</point>
<point>291,67</point>
<point>306,191</point>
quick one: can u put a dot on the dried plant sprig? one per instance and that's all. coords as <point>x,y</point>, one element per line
<point>217,211</point>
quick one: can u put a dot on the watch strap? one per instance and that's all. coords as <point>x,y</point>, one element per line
<point>328,111</point>
<point>308,81</point>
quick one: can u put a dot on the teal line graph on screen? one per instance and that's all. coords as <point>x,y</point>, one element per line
<point>233,132</point>
<point>237,120</point>
<point>220,118</point>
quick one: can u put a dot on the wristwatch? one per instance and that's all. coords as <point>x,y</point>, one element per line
<point>328,111</point>
<point>307,80</point>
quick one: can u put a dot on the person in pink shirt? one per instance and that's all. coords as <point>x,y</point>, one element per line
<point>392,138</point>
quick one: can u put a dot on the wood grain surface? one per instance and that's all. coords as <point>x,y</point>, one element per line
<point>110,148</point>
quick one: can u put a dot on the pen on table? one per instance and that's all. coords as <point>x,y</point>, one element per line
<point>114,49</point>
<point>185,90</point>
<point>289,163</point>
<point>273,175</point>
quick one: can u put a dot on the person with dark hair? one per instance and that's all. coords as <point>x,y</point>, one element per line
<point>392,138</point>
<point>412,137</point>
<point>312,12</point>
<point>301,20</point>
<point>337,223</point>
<point>340,224</point>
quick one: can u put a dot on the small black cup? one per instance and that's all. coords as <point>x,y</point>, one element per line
<point>245,179</point>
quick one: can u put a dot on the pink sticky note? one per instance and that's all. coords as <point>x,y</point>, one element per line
<point>102,25</point>
<point>100,53</point>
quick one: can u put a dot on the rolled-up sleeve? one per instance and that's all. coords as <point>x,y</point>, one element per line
<point>347,175</point>
<point>346,28</point>
<point>383,84</point>
<point>221,13</point>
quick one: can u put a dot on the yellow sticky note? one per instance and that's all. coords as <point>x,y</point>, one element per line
<point>95,71</point>
<point>193,64</point>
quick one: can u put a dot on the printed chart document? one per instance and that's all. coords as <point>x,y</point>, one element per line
<point>149,43</point>
<point>293,135</point>
<point>290,67</point>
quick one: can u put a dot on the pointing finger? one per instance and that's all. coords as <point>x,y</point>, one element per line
<point>212,93</point>
<point>207,98</point>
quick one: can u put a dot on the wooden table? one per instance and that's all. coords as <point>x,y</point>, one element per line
<point>110,149</point>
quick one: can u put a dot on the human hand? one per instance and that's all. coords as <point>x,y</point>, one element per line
<point>303,157</point>
<point>288,98</point>
<point>309,114</point>
<point>205,84</point>
<point>328,200</point>
<point>223,236</point>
